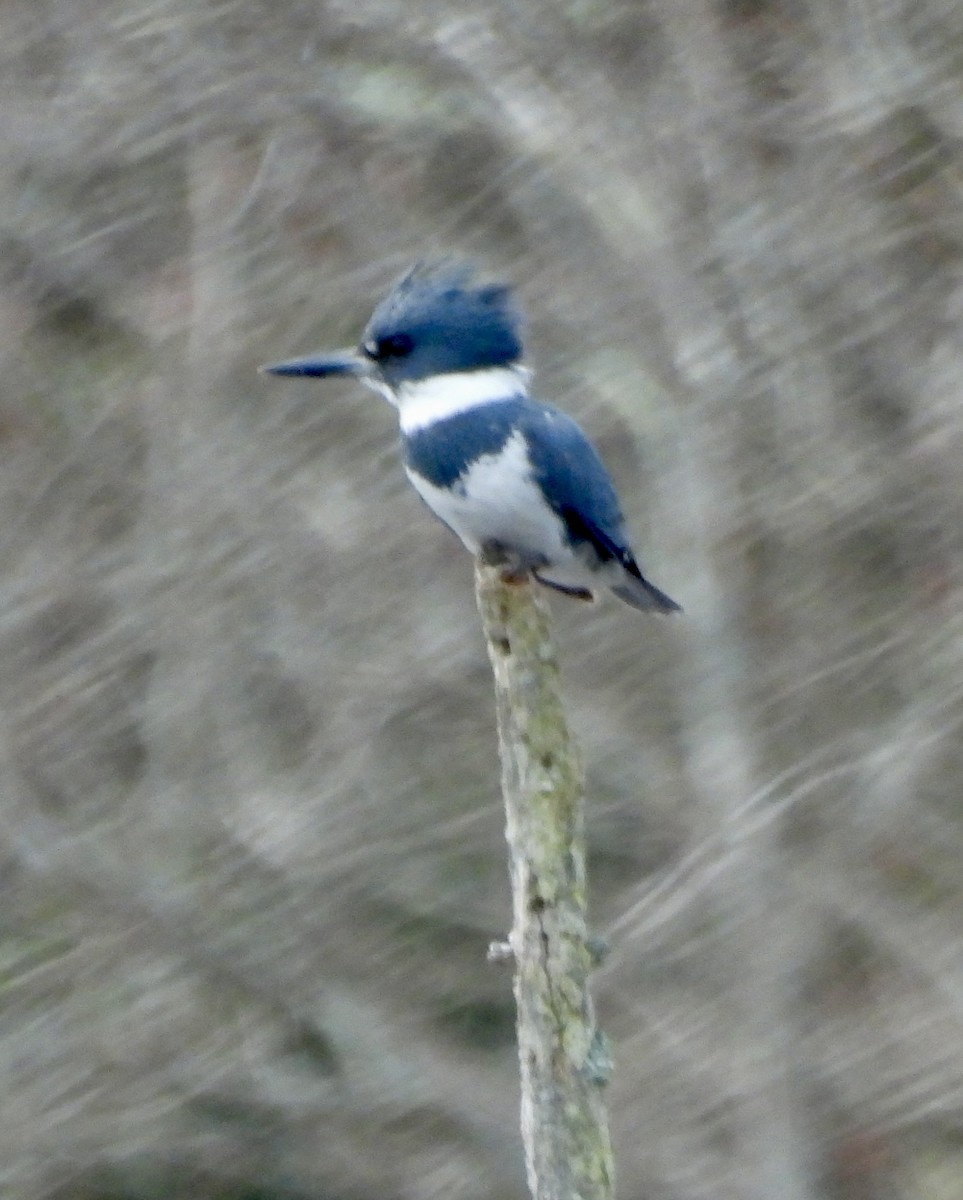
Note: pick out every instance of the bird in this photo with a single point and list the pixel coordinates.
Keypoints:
(517, 480)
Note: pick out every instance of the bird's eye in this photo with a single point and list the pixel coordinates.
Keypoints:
(395, 345)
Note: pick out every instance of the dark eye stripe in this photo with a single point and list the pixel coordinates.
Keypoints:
(393, 345)
(396, 345)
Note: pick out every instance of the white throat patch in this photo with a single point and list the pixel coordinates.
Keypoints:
(426, 401)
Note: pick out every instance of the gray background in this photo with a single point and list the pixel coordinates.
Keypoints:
(250, 836)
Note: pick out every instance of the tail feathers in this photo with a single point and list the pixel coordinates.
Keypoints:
(612, 551)
(637, 591)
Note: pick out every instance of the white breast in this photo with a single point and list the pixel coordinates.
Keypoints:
(498, 501)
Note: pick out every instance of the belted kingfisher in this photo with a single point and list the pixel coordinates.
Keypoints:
(516, 480)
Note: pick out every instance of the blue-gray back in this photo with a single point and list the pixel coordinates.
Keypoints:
(564, 462)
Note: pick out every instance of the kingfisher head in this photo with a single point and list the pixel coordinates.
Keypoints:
(439, 319)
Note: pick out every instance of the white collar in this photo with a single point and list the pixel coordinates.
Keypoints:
(425, 401)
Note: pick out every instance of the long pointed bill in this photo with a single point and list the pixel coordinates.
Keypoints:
(338, 362)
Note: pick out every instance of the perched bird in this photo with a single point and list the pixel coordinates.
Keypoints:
(516, 480)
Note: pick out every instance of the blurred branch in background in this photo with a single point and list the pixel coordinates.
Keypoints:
(244, 879)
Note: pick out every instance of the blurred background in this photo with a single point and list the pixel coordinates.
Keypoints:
(251, 849)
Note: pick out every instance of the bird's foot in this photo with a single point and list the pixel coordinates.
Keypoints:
(514, 567)
(576, 593)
